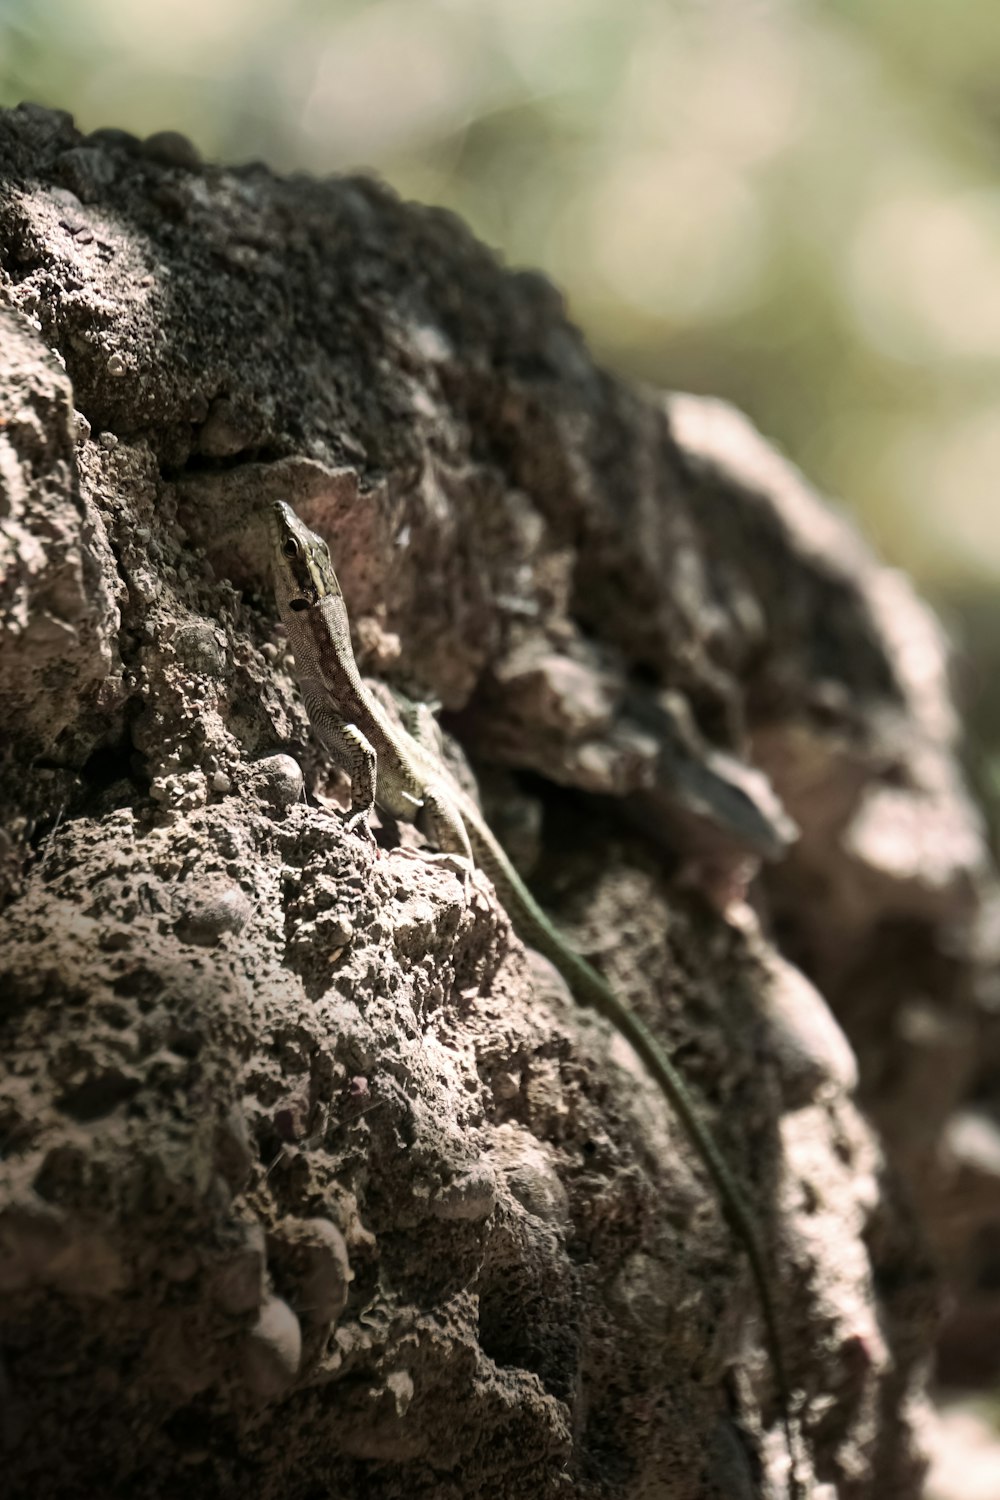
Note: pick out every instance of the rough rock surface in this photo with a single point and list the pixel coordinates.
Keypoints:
(314, 1181)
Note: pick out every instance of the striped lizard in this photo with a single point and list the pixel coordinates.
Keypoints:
(391, 769)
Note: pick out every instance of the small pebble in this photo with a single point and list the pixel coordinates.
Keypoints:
(224, 432)
(973, 1142)
(86, 170)
(171, 149)
(197, 644)
(219, 912)
(122, 140)
(471, 1196)
(278, 779)
(272, 1350)
(810, 1047)
(318, 1253)
(531, 1176)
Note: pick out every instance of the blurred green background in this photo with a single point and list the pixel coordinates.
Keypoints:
(791, 203)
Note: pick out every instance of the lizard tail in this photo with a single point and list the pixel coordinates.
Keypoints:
(590, 988)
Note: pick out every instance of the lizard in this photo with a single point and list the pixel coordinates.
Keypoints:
(396, 772)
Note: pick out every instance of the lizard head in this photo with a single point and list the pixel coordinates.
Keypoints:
(300, 561)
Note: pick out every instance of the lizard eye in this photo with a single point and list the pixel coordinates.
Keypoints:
(291, 548)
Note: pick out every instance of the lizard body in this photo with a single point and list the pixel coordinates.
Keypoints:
(389, 768)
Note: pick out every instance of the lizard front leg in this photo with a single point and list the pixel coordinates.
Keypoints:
(351, 751)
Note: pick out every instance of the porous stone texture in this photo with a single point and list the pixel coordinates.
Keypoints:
(314, 1180)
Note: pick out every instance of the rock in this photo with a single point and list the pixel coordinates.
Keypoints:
(272, 1351)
